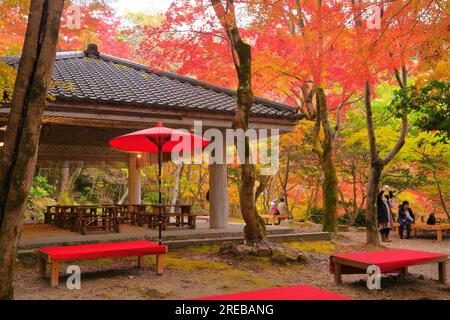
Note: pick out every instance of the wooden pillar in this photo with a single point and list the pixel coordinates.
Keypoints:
(134, 180)
(218, 196)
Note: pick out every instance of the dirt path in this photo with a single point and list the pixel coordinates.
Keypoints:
(201, 271)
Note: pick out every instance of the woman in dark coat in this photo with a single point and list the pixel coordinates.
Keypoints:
(384, 213)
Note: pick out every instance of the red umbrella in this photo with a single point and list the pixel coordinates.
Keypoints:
(158, 139)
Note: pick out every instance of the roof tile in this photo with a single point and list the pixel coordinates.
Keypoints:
(113, 80)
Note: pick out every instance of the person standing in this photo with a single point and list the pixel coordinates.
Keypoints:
(405, 219)
(384, 213)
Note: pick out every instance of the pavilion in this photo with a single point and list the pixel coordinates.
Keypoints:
(97, 97)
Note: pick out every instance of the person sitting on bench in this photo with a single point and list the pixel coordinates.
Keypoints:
(405, 218)
(273, 208)
(431, 219)
(282, 207)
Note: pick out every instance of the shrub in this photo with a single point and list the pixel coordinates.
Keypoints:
(344, 219)
(315, 215)
(360, 220)
(39, 198)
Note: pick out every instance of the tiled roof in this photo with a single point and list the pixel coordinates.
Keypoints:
(102, 78)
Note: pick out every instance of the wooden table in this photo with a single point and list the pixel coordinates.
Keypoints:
(85, 218)
(181, 213)
(137, 212)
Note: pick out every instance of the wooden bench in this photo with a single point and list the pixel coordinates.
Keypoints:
(389, 261)
(438, 228)
(271, 218)
(203, 217)
(54, 255)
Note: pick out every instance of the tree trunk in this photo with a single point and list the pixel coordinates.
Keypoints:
(355, 205)
(374, 175)
(316, 194)
(344, 204)
(123, 197)
(74, 176)
(324, 150)
(284, 181)
(376, 163)
(18, 156)
(371, 200)
(176, 187)
(254, 230)
(441, 197)
(65, 170)
(330, 194)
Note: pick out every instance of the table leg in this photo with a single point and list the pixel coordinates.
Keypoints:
(116, 225)
(439, 234)
(404, 271)
(42, 267)
(47, 215)
(192, 222)
(337, 268)
(140, 261)
(54, 279)
(159, 263)
(442, 272)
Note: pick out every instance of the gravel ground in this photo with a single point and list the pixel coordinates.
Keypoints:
(201, 271)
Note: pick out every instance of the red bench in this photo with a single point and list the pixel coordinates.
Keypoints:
(287, 293)
(53, 255)
(389, 261)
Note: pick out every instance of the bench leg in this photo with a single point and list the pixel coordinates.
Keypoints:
(42, 267)
(404, 271)
(54, 278)
(439, 235)
(159, 264)
(442, 272)
(337, 268)
(140, 261)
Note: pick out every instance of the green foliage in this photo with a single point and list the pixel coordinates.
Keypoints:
(315, 215)
(360, 220)
(430, 105)
(323, 247)
(7, 79)
(40, 188)
(39, 197)
(151, 196)
(344, 219)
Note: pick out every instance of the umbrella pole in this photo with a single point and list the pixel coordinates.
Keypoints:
(159, 193)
